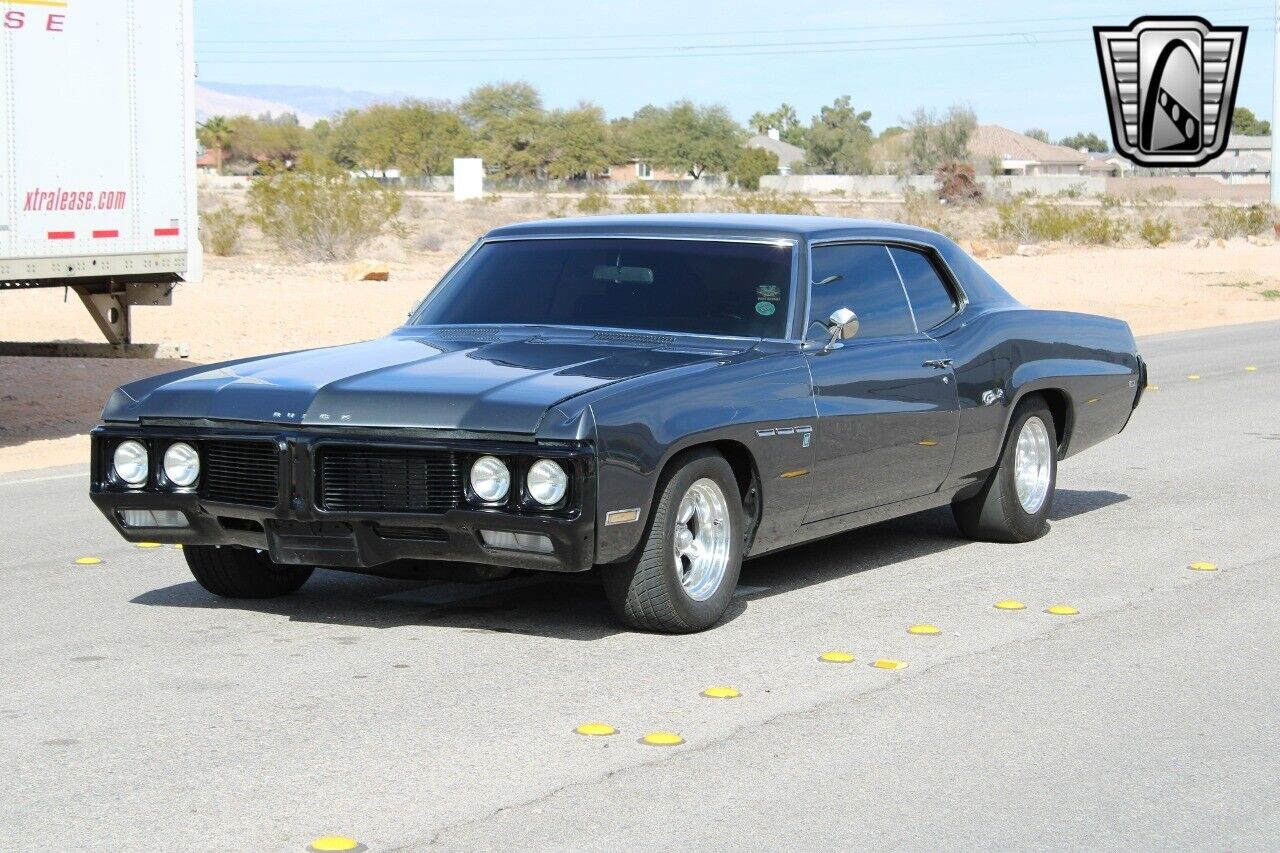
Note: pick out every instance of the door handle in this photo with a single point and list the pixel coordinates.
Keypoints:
(938, 363)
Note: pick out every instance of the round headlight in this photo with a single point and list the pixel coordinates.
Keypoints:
(181, 464)
(547, 482)
(131, 462)
(490, 479)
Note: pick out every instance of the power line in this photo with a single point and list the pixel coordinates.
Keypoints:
(706, 34)
(650, 47)
(578, 57)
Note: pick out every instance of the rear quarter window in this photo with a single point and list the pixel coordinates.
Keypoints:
(931, 299)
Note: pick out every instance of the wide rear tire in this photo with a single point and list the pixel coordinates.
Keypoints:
(235, 572)
(662, 588)
(1004, 511)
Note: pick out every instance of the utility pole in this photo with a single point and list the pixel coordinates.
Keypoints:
(1275, 113)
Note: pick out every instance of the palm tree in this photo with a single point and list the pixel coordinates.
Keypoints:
(215, 133)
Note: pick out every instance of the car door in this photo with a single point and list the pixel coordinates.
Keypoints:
(886, 399)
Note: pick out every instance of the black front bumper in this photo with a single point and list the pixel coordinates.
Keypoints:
(297, 530)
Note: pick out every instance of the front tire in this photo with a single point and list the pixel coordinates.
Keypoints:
(1015, 502)
(235, 572)
(683, 575)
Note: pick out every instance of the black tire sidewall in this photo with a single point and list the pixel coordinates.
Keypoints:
(1025, 525)
(705, 613)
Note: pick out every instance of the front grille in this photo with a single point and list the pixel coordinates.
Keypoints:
(361, 479)
(242, 472)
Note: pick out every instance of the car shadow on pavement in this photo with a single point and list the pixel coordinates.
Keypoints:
(1068, 503)
(572, 607)
(879, 545)
(555, 606)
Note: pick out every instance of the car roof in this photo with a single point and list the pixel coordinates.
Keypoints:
(743, 225)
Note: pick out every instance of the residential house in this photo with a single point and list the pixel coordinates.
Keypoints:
(1245, 160)
(1107, 165)
(1019, 154)
(788, 154)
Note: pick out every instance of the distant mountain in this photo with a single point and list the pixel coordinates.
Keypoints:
(210, 102)
(309, 102)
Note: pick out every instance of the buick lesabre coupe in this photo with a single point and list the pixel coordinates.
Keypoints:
(660, 397)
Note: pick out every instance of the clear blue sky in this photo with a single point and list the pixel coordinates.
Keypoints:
(889, 56)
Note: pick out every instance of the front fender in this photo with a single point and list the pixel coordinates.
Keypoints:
(746, 399)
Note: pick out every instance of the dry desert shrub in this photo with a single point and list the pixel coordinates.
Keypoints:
(221, 230)
(318, 212)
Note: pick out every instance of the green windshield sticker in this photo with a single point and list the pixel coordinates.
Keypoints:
(765, 309)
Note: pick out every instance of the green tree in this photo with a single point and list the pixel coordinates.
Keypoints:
(508, 122)
(685, 137)
(1087, 141)
(1037, 133)
(428, 137)
(578, 142)
(838, 140)
(784, 120)
(215, 134)
(938, 139)
(265, 139)
(1244, 122)
(753, 164)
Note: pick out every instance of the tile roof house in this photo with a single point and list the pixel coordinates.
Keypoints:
(788, 154)
(1019, 154)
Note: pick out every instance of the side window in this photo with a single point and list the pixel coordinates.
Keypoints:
(866, 282)
(930, 298)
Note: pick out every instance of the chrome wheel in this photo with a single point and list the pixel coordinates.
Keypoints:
(701, 541)
(1032, 465)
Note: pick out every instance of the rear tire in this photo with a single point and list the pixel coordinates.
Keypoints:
(1001, 512)
(661, 588)
(235, 572)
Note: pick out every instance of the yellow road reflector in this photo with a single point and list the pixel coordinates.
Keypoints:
(1153, 387)
(596, 729)
(721, 693)
(1203, 567)
(326, 843)
(889, 663)
(87, 561)
(178, 546)
(1010, 604)
(924, 629)
(662, 739)
(1193, 376)
(1062, 610)
(1251, 368)
(928, 442)
(836, 657)
(148, 545)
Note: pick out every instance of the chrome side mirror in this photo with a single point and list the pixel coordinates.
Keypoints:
(842, 325)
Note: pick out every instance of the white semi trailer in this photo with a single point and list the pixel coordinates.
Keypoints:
(98, 152)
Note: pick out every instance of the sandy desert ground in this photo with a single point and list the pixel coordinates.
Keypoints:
(259, 303)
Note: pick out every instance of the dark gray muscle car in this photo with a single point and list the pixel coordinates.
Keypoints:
(657, 396)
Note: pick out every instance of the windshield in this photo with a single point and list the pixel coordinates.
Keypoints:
(698, 286)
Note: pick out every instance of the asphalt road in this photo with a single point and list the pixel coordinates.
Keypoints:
(139, 713)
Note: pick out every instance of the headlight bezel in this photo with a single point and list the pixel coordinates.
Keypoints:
(560, 487)
(118, 475)
(195, 456)
(481, 497)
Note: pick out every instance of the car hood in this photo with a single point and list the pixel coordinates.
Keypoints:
(404, 380)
